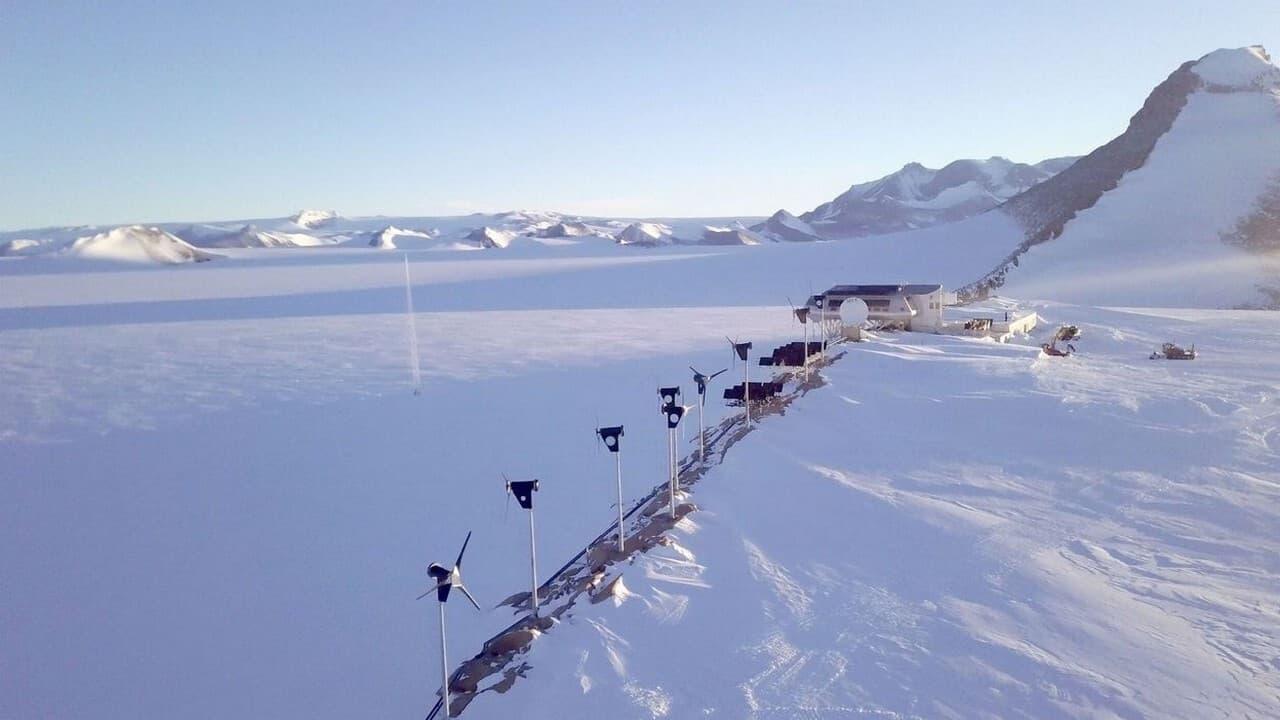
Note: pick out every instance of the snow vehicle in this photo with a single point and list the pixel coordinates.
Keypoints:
(1052, 350)
(1169, 351)
(1067, 333)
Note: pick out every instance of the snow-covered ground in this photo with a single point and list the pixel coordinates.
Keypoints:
(957, 528)
(219, 494)
(225, 507)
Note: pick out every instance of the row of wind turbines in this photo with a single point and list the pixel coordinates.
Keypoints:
(445, 579)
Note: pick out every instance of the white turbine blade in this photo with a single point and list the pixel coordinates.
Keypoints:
(466, 592)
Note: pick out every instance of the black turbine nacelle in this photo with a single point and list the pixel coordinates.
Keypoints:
(702, 379)
(523, 490)
(670, 395)
(446, 579)
(674, 414)
(611, 437)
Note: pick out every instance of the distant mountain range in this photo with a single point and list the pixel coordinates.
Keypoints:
(915, 197)
(1185, 202)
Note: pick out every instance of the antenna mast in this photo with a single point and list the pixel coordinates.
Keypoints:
(523, 490)
(612, 439)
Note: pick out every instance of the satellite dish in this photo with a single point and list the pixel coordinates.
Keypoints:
(853, 312)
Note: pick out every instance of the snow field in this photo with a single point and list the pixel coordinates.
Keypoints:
(957, 528)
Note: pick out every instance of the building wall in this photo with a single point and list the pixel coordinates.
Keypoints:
(928, 309)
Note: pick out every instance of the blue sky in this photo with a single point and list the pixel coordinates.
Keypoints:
(152, 111)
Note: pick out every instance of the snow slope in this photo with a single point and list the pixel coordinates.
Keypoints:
(1142, 220)
(230, 456)
(1155, 239)
(955, 528)
(1246, 68)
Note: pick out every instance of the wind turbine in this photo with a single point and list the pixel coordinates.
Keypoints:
(743, 351)
(673, 413)
(822, 307)
(524, 490)
(612, 439)
(702, 379)
(802, 315)
(447, 579)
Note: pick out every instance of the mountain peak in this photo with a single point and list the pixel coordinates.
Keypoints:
(1246, 68)
(312, 219)
(137, 243)
(490, 237)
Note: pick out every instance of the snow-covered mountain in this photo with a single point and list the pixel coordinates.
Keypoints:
(1179, 209)
(1183, 208)
(564, 229)
(136, 243)
(645, 234)
(312, 219)
(385, 239)
(489, 237)
(21, 246)
(249, 236)
(652, 234)
(782, 226)
(918, 197)
(735, 234)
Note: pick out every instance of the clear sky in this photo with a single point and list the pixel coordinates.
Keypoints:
(129, 111)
